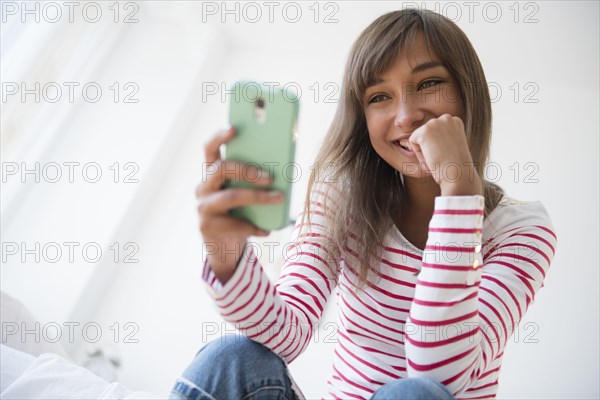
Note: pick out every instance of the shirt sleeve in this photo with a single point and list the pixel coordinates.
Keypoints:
(470, 295)
(281, 316)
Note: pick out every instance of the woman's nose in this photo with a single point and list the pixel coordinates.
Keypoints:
(409, 113)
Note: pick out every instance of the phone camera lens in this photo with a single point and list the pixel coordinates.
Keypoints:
(260, 103)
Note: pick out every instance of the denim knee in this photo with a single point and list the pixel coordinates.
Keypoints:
(239, 352)
(413, 389)
(236, 367)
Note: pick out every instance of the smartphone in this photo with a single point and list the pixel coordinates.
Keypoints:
(265, 118)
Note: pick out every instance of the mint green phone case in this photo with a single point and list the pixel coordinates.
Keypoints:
(266, 138)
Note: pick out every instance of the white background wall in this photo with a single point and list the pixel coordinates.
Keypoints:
(173, 53)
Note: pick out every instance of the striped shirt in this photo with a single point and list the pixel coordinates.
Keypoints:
(443, 313)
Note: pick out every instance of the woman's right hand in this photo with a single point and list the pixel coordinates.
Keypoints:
(225, 236)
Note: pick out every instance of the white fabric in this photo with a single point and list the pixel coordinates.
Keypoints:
(38, 369)
(13, 364)
(50, 376)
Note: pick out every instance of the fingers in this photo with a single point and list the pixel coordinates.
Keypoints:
(422, 161)
(226, 199)
(212, 148)
(416, 148)
(214, 202)
(221, 170)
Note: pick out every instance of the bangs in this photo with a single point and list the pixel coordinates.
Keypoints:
(380, 47)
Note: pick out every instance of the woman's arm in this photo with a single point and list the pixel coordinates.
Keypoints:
(280, 316)
(469, 299)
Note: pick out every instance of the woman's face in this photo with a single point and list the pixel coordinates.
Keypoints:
(415, 89)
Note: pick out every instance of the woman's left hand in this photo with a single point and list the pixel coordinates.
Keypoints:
(442, 150)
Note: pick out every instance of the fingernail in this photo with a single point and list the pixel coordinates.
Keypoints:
(262, 174)
(274, 194)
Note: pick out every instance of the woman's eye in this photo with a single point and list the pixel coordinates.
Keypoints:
(376, 99)
(429, 83)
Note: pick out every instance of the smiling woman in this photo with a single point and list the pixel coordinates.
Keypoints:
(423, 252)
(390, 93)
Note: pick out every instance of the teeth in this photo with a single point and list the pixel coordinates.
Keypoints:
(404, 143)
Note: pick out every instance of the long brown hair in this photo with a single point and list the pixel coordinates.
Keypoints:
(365, 187)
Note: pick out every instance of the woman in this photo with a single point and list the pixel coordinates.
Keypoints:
(434, 266)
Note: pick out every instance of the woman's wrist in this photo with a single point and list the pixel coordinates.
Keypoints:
(469, 186)
(225, 262)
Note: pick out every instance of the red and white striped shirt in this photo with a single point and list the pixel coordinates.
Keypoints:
(444, 313)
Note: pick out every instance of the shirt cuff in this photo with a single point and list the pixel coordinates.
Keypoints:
(453, 251)
(215, 288)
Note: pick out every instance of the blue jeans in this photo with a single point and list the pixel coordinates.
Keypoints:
(235, 367)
